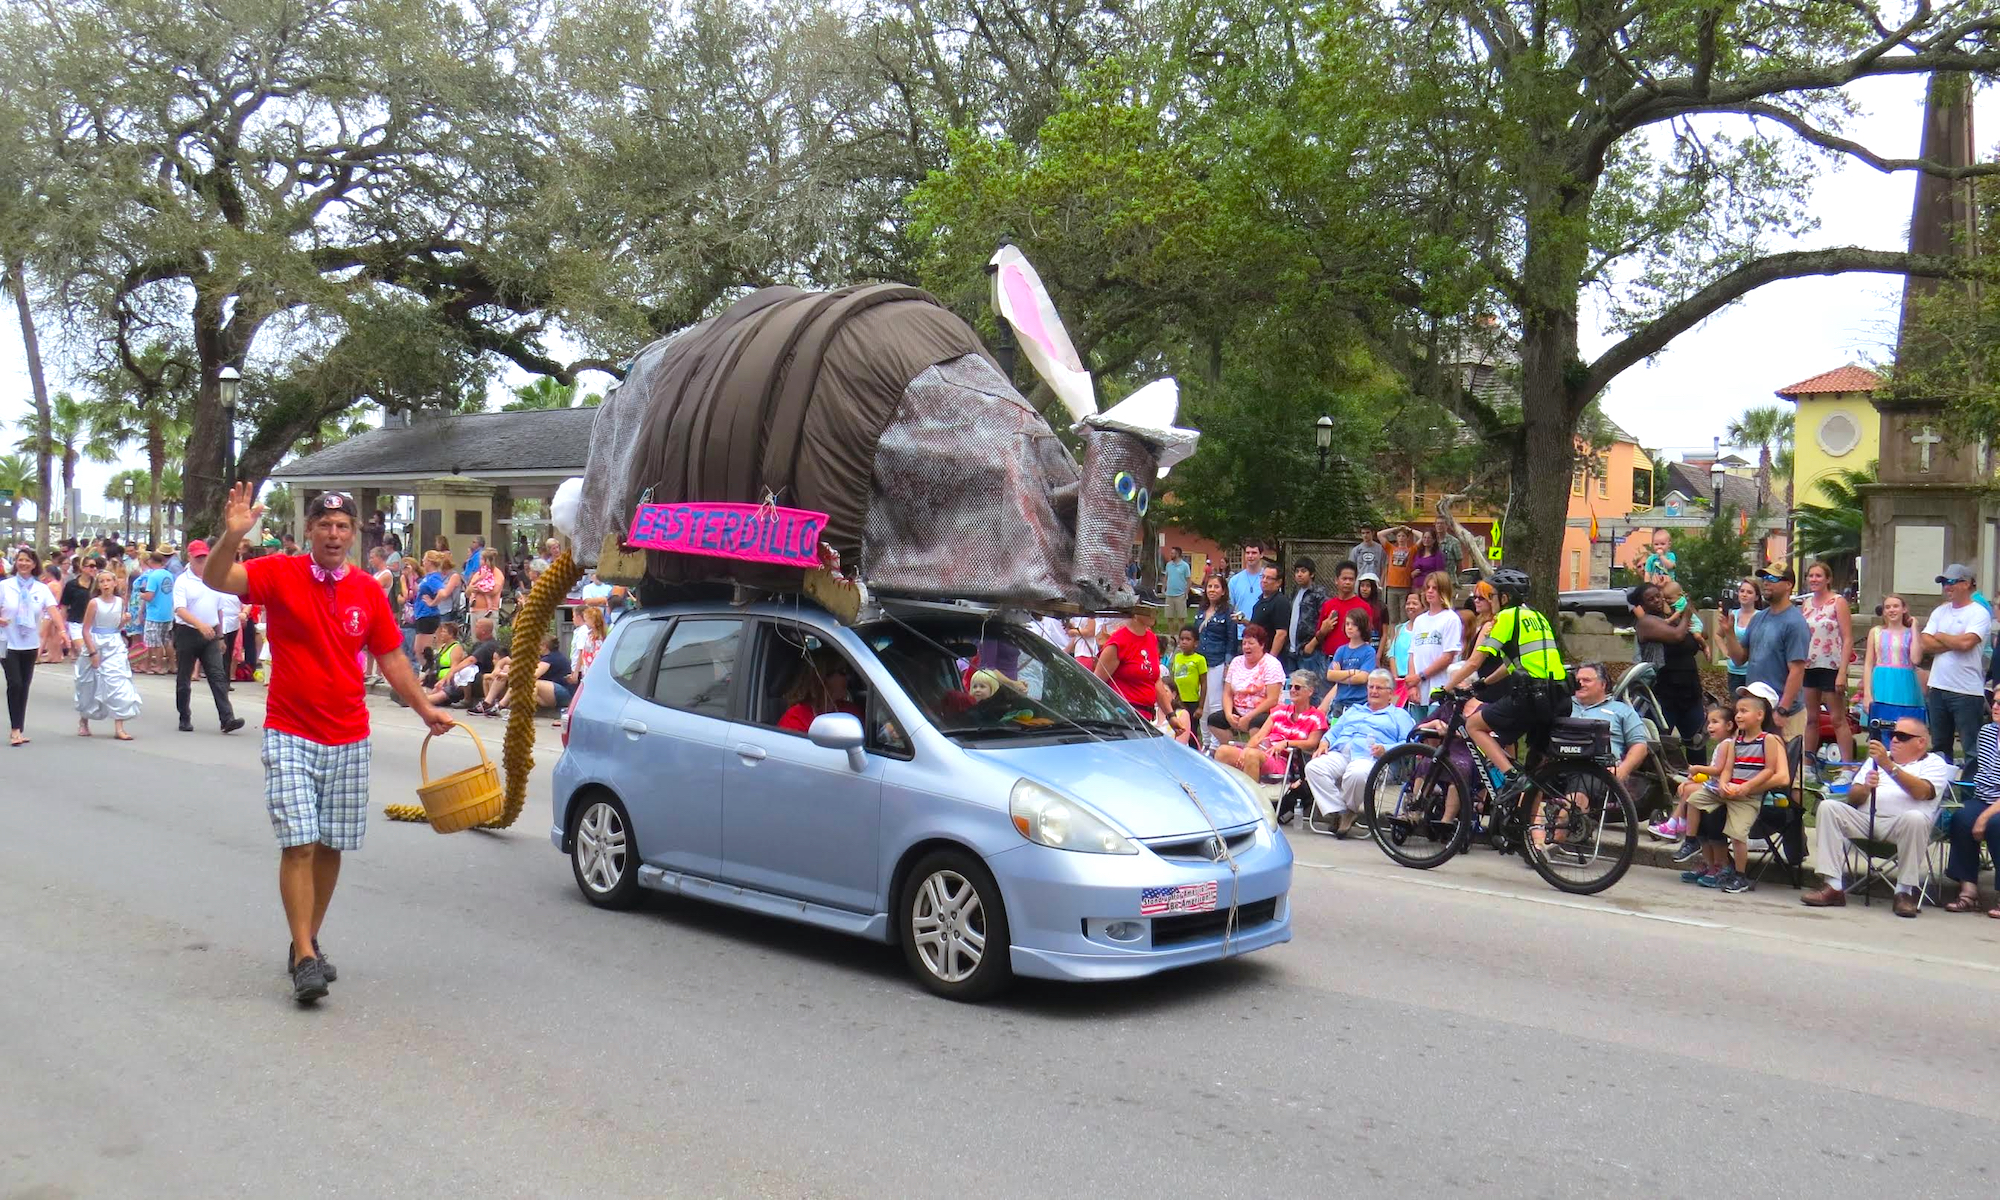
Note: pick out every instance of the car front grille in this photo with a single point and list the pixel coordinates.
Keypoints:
(1196, 927)
(1201, 848)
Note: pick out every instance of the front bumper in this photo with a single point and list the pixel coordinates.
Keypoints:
(1063, 908)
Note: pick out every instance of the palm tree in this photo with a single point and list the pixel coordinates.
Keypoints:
(18, 478)
(75, 432)
(114, 491)
(546, 392)
(1832, 532)
(278, 505)
(1769, 428)
(170, 492)
(155, 418)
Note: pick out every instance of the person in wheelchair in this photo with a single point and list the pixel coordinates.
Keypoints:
(1296, 724)
(1522, 683)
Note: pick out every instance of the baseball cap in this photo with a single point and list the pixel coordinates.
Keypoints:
(1956, 573)
(1779, 571)
(197, 548)
(329, 502)
(1302, 679)
(1763, 691)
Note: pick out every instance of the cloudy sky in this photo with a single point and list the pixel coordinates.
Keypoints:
(1780, 334)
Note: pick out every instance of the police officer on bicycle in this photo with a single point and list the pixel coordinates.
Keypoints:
(1528, 689)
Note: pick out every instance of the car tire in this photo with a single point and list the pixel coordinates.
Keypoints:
(951, 910)
(602, 854)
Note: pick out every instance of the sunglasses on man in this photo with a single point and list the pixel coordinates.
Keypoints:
(1903, 735)
(1767, 577)
(1953, 582)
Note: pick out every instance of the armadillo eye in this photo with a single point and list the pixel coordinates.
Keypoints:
(1126, 486)
(1144, 499)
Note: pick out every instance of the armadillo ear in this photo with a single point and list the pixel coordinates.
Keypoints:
(1020, 299)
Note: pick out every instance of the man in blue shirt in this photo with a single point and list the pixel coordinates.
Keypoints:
(1246, 587)
(1349, 750)
(1174, 576)
(153, 595)
(1773, 648)
(1593, 702)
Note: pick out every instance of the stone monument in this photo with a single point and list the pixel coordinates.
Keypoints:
(1933, 502)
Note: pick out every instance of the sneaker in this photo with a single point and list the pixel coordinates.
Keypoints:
(233, 724)
(1737, 883)
(187, 726)
(1696, 875)
(1687, 850)
(1714, 879)
(308, 980)
(1664, 830)
(325, 964)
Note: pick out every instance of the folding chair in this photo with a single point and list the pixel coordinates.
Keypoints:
(1937, 856)
(1781, 822)
(1294, 791)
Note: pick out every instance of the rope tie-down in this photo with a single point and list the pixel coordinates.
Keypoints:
(531, 621)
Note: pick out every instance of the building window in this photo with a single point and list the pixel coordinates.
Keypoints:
(1575, 569)
(1642, 488)
(1604, 476)
(1838, 434)
(1576, 481)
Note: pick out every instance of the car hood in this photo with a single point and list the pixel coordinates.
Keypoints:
(1136, 783)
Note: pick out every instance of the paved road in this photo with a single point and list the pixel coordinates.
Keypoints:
(1462, 1032)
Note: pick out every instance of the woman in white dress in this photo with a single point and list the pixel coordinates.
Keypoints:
(104, 690)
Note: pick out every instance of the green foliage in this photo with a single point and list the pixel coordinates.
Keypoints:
(1768, 427)
(1715, 559)
(1832, 532)
(549, 393)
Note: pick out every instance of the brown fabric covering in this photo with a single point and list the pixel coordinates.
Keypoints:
(786, 394)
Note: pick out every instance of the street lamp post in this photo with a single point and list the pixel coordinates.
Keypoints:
(128, 510)
(227, 383)
(1715, 473)
(1323, 437)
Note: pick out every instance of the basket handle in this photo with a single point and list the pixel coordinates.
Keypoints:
(424, 754)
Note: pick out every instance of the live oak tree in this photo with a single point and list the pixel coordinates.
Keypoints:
(1411, 170)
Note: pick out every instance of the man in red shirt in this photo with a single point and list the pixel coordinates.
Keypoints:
(1333, 614)
(321, 614)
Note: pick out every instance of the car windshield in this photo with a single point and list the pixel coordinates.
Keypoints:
(997, 680)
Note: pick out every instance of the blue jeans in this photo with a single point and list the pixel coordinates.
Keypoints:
(1955, 713)
(1964, 864)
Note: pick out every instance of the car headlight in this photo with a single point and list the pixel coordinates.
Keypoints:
(1049, 818)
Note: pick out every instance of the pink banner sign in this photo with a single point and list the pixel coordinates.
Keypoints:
(747, 532)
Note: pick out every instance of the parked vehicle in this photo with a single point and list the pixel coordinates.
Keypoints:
(1042, 830)
(1609, 603)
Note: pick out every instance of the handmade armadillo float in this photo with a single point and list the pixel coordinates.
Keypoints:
(872, 421)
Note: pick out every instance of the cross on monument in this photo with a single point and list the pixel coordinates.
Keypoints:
(1924, 441)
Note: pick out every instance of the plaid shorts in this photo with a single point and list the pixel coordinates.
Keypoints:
(316, 793)
(159, 633)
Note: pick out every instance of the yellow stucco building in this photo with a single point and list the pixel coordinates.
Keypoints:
(1836, 429)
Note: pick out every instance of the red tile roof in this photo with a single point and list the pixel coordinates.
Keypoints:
(1840, 379)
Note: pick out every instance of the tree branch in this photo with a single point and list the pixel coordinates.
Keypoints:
(1853, 149)
(1657, 333)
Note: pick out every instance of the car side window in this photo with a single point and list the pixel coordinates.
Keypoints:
(698, 665)
(795, 673)
(633, 652)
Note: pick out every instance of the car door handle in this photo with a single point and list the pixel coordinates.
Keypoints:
(633, 727)
(750, 753)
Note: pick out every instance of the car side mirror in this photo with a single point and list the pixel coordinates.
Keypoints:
(839, 731)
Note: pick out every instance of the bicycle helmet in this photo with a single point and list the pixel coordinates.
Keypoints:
(1508, 580)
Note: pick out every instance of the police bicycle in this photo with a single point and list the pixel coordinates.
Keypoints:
(1564, 812)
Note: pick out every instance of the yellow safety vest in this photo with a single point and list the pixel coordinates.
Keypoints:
(1533, 644)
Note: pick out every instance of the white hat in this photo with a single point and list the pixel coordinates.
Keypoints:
(1768, 693)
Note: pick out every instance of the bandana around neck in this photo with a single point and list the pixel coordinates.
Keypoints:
(325, 576)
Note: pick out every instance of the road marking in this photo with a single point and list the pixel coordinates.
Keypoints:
(1419, 880)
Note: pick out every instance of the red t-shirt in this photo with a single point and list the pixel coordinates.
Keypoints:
(799, 717)
(317, 632)
(1137, 676)
(1335, 606)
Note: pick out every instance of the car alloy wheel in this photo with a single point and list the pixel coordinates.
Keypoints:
(954, 926)
(950, 926)
(602, 854)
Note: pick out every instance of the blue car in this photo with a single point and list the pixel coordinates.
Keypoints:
(940, 778)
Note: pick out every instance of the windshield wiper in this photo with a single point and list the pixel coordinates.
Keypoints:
(1105, 725)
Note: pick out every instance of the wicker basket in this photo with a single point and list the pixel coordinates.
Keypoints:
(464, 798)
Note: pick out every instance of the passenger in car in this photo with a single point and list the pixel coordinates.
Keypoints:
(820, 687)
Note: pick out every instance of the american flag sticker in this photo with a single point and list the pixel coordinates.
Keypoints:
(1186, 898)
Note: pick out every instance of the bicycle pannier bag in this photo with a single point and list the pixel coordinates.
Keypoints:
(1580, 738)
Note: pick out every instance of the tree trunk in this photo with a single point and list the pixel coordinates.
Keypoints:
(69, 484)
(1542, 462)
(17, 282)
(156, 465)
